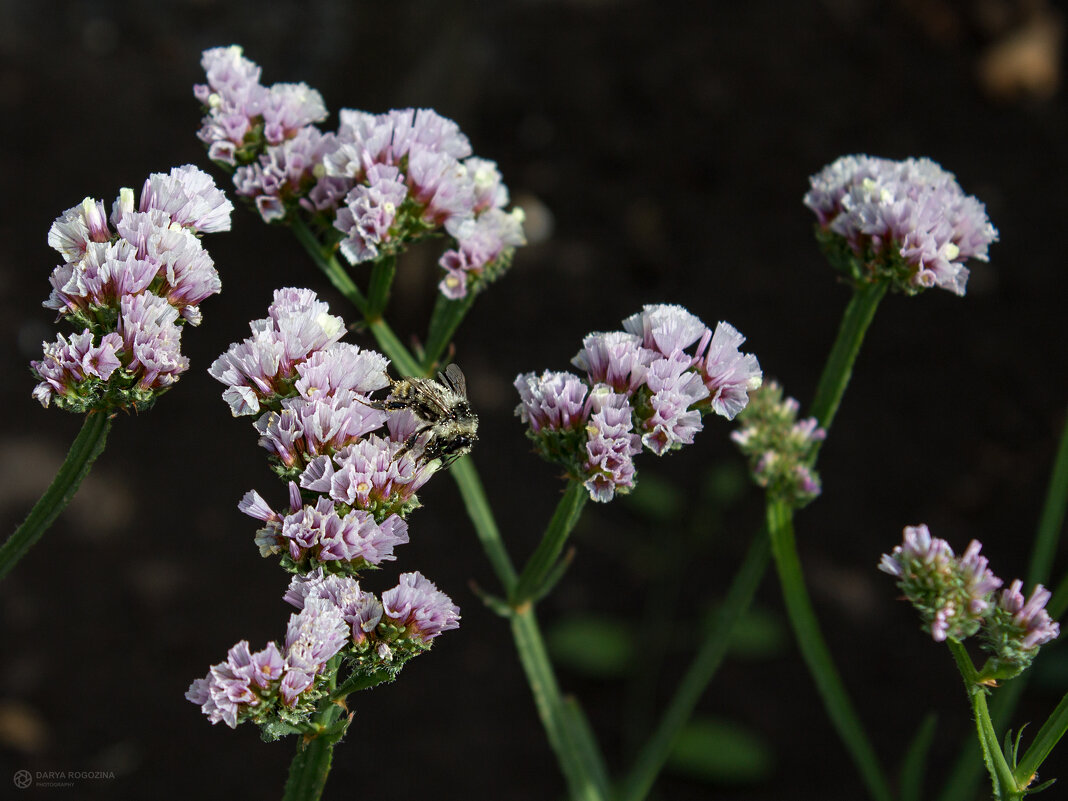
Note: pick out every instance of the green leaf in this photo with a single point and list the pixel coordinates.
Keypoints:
(721, 752)
(594, 646)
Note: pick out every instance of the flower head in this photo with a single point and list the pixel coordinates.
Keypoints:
(129, 291)
(263, 368)
(908, 221)
(647, 385)
(241, 114)
(384, 181)
(1017, 627)
(951, 593)
(419, 609)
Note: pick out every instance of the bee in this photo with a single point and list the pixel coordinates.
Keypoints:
(449, 425)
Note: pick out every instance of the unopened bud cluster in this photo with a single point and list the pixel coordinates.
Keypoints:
(908, 222)
(780, 448)
(957, 598)
(128, 284)
(381, 182)
(352, 470)
(647, 385)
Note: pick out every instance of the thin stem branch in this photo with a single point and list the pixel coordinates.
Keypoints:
(541, 562)
(326, 262)
(816, 654)
(709, 657)
(1001, 777)
(839, 368)
(478, 509)
(87, 446)
(446, 318)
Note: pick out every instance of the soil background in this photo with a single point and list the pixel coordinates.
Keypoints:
(662, 150)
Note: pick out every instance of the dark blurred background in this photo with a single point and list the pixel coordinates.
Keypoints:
(661, 150)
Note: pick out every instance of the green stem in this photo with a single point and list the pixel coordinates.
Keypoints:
(88, 445)
(310, 767)
(358, 682)
(1004, 784)
(391, 346)
(344, 284)
(965, 774)
(478, 509)
(815, 652)
(447, 316)
(382, 273)
(552, 542)
(1048, 736)
(326, 262)
(836, 373)
(570, 740)
(651, 759)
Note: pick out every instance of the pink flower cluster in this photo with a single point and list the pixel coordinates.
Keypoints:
(335, 617)
(643, 386)
(412, 173)
(382, 181)
(350, 489)
(129, 281)
(905, 220)
(311, 394)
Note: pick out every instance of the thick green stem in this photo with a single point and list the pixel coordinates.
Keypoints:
(816, 654)
(1004, 784)
(552, 543)
(310, 767)
(88, 445)
(382, 273)
(855, 321)
(569, 738)
(651, 759)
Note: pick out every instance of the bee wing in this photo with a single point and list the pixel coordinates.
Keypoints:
(454, 379)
